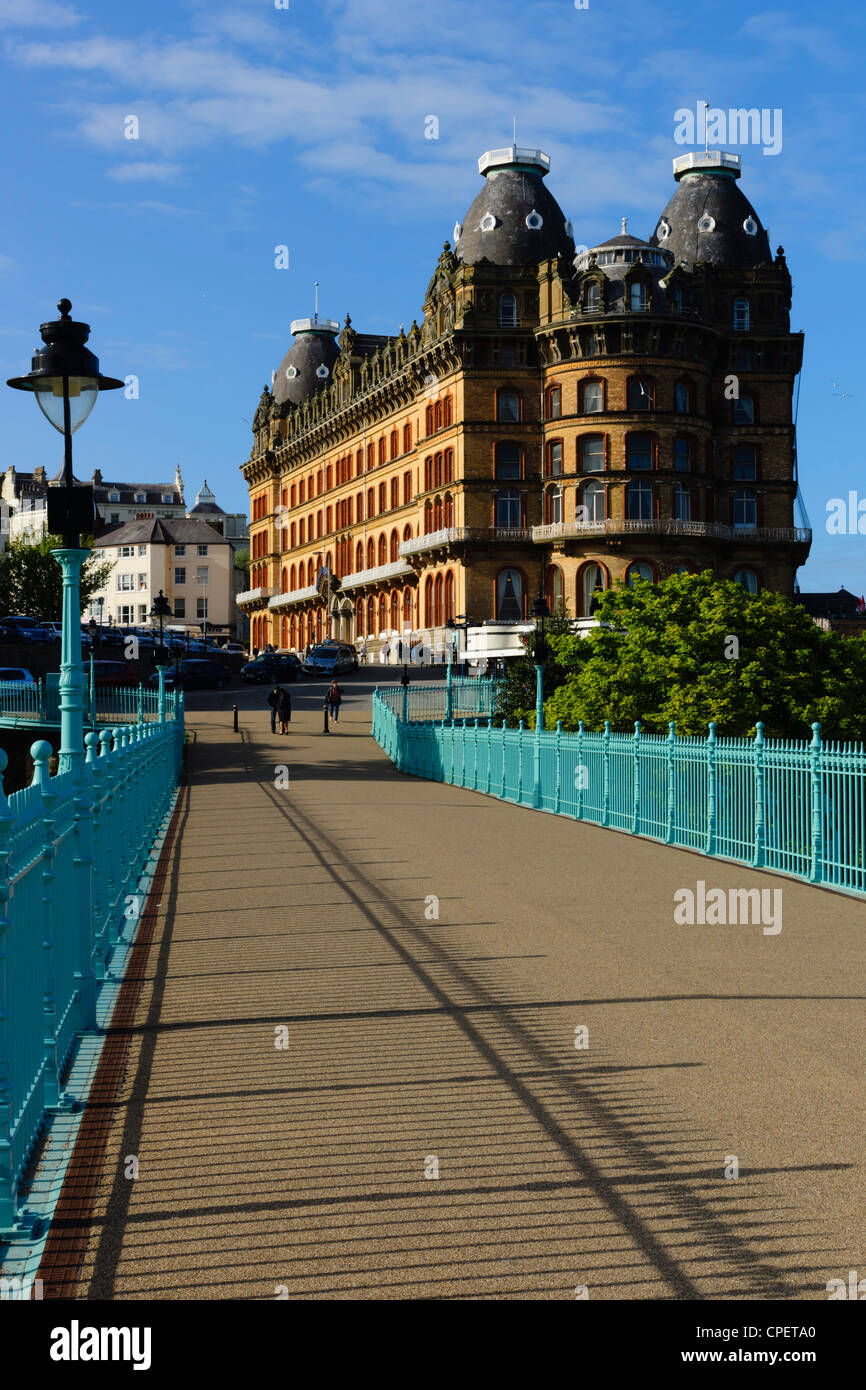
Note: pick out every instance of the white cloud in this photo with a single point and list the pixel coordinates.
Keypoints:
(37, 14)
(145, 169)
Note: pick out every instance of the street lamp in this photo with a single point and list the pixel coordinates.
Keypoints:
(539, 652)
(161, 609)
(66, 380)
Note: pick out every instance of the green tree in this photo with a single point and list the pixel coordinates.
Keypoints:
(695, 649)
(242, 560)
(30, 578)
(515, 698)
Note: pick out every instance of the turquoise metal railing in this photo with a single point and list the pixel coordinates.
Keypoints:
(40, 704)
(797, 807)
(72, 850)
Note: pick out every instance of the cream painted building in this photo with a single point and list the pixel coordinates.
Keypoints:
(187, 559)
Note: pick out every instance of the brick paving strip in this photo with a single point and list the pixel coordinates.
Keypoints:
(418, 1044)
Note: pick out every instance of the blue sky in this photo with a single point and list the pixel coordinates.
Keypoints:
(305, 126)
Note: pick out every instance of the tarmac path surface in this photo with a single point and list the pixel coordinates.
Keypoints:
(355, 1067)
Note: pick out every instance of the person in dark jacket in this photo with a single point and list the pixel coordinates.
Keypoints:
(334, 699)
(280, 702)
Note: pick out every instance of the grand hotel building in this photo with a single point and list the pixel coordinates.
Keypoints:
(558, 418)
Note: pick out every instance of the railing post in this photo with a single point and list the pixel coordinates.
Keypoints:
(635, 818)
(448, 690)
(520, 762)
(489, 752)
(605, 762)
(7, 985)
(160, 698)
(95, 773)
(558, 787)
(82, 870)
(711, 790)
(140, 705)
(759, 854)
(539, 729)
(504, 751)
(580, 787)
(672, 805)
(40, 752)
(815, 750)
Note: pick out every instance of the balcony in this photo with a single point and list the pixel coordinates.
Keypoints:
(251, 596)
(667, 526)
(455, 535)
(294, 596)
(396, 570)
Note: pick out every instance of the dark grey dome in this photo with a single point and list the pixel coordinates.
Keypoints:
(514, 220)
(308, 364)
(708, 218)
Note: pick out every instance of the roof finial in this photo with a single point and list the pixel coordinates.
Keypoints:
(514, 125)
(624, 225)
(316, 315)
(706, 106)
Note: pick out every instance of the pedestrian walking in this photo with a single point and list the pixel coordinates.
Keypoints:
(280, 702)
(334, 699)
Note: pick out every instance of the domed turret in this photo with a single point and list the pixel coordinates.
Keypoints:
(708, 218)
(309, 361)
(514, 220)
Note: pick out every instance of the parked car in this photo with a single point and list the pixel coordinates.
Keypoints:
(17, 628)
(19, 674)
(107, 635)
(329, 660)
(235, 648)
(271, 666)
(195, 674)
(54, 631)
(114, 673)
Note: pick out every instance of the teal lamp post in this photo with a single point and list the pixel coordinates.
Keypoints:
(538, 612)
(65, 379)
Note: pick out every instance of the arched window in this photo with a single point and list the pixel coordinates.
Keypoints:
(319, 479)
(591, 397)
(371, 456)
(591, 582)
(284, 580)
(395, 492)
(359, 462)
(371, 503)
(555, 589)
(639, 500)
(284, 632)
(553, 506)
(302, 495)
(683, 453)
(395, 443)
(395, 611)
(428, 517)
(395, 545)
(638, 394)
(591, 447)
(438, 598)
(745, 509)
(507, 461)
(311, 573)
(682, 398)
(383, 498)
(428, 602)
(407, 488)
(448, 511)
(748, 580)
(682, 503)
(293, 579)
(437, 514)
(407, 532)
(507, 407)
(508, 508)
(359, 618)
(639, 569)
(509, 595)
(742, 316)
(508, 311)
(449, 465)
(447, 412)
(592, 297)
(383, 549)
(590, 504)
(407, 437)
(293, 632)
(407, 608)
(553, 403)
(437, 471)
(438, 415)
(371, 617)
(359, 556)
(639, 452)
(554, 458)
(329, 520)
(429, 417)
(371, 554)
(449, 596)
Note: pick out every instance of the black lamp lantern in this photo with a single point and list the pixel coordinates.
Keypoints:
(65, 379)
(538, 613)
(161, 609)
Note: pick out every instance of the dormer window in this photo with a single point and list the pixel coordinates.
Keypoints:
(742, 316)
(458, 231)
(114, 497)
(637, 295)
(141, 497)
(291, 373)
(750, 227)
(592, 297)
(167, 497)
(663, 230)
(488, 222)
(508, 311)
(706, 223)
(534, 221)
(322, 372)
